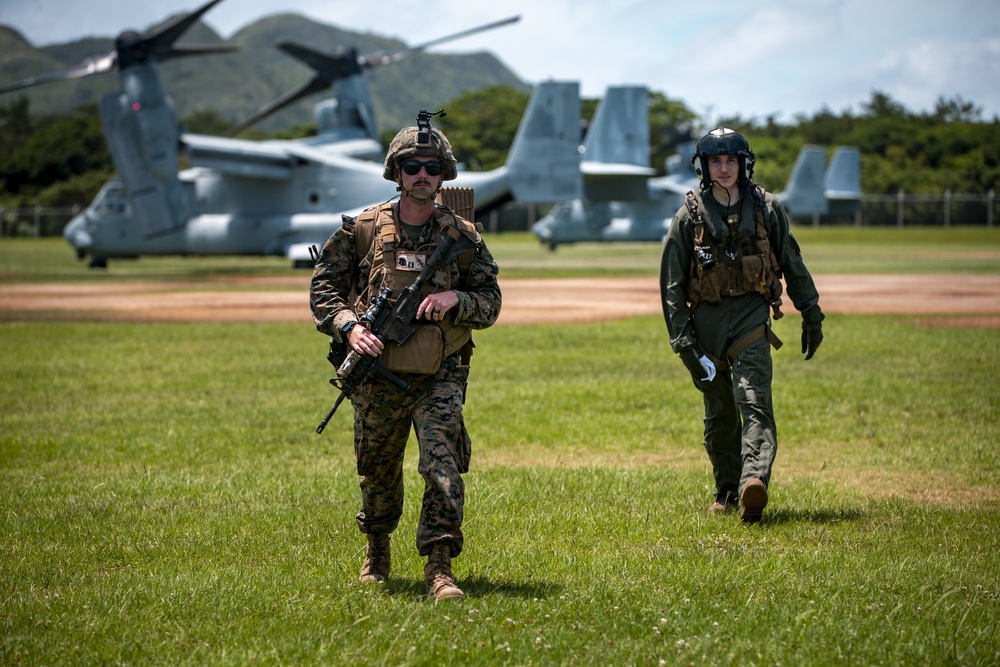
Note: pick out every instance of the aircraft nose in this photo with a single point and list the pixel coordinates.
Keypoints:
(76, 233)
(542, 229)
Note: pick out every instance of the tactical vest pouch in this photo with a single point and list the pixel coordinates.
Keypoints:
(753, 273)
(421, 354)
(709, 284)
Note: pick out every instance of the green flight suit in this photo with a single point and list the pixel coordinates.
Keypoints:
(740, 431)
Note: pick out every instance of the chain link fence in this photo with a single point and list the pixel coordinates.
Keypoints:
(899, 210)
(917, 210)
(37, 221)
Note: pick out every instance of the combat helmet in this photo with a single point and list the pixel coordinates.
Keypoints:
(723, 141)
(420, 141)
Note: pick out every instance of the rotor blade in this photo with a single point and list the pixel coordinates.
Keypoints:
(158, 42)
(332, 67)
(328, 68)
(345, 63)
(317, 84)
(163, 37)
(377, 59)
(195, 50)
(85, 68)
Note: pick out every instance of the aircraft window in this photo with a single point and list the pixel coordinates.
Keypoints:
(113, 202)
(314, 198)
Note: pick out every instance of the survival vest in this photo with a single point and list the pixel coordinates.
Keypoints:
(377, 240)
(737, 259)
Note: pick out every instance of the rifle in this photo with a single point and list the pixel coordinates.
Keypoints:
(390, 324)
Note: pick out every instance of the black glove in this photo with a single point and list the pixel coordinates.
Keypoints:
(812, 336)
(699, 373)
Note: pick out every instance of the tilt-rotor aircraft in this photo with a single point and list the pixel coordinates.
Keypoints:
(622, 200)
(266, 197)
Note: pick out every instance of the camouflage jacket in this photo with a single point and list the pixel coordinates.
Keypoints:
(343, 281)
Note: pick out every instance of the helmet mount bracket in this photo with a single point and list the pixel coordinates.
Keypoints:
(424, 125)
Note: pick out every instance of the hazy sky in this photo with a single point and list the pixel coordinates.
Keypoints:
(771, 57)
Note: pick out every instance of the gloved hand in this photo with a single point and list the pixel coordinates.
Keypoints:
(701, 368)
(812, 336)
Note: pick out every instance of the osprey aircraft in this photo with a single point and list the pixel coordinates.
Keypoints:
(242, 197)
(622, 200)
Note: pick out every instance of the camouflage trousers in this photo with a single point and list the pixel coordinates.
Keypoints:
(740, 432)
(383, 416)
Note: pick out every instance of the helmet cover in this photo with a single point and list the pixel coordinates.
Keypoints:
(407, 143)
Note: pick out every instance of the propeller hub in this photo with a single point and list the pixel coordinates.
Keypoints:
(132, 48)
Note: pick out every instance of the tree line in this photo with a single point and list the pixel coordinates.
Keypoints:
(60, 160)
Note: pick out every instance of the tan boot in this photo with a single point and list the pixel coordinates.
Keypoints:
(719, 508)
(437, 574)
(378, 558)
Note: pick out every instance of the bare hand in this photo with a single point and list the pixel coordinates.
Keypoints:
(364, 341)
(436, 306)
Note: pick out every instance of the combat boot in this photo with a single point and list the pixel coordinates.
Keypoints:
(753, 500)
(720, 508)
(437, 574)
(378, 558)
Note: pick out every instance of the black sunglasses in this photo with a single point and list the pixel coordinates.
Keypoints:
(412, 167)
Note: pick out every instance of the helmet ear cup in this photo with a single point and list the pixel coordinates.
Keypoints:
(749, 160)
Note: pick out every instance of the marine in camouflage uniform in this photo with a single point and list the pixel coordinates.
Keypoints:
(725, 253)
(462, 295)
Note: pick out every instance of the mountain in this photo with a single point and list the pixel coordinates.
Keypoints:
(238, 84)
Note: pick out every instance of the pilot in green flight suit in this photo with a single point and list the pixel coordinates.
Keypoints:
(720, 276)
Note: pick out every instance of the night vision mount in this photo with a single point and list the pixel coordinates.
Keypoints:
(424, 125)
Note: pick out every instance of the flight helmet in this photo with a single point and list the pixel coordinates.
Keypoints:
(723, 141)
(420, 141)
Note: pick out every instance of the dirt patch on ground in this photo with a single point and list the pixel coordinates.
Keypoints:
(967, 300)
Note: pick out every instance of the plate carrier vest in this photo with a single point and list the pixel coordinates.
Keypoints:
(376, 238)
(749, 265)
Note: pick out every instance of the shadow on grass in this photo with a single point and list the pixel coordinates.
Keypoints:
(480, 587)
(818, 515)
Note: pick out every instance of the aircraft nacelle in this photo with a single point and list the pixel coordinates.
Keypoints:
(347, 115)
(141, 130)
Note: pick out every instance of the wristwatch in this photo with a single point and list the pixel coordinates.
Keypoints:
(346, 329)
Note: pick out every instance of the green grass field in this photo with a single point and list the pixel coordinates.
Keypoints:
(164, 499)
(827, 250)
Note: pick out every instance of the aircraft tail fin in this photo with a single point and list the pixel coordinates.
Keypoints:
(619, 133)
(616, 150)
(843, 182)
(805, 193)
(544, 160)
(679, 164)
(843, 178)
